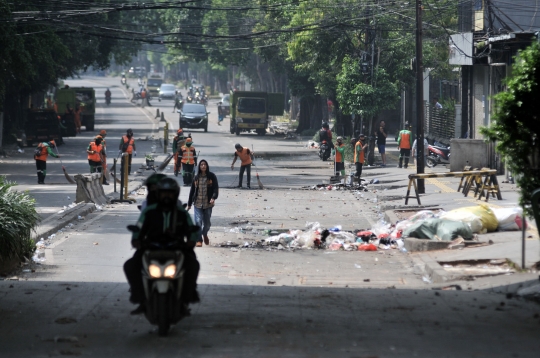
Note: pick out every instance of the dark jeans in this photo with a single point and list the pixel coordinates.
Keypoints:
(129, 164)
(202, 219)
(133, 270)
(95, 167)
(247, 169)
(187, 173)
(41, 167)
(358, 169)
(404, 153)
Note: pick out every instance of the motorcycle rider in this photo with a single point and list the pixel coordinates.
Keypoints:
(326, 134)
(166, 221)
(108, 95)
(178, 101)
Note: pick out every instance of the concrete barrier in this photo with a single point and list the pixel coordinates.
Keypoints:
(89, 189)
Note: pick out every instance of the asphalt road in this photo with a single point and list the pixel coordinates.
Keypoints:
(305, 303)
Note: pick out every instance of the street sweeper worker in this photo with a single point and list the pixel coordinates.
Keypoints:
(103, 134)
(40, 156)
(178, 142)
(127, 145)
(95, 150)
(245, 156)
(340, 156)
(189, 160)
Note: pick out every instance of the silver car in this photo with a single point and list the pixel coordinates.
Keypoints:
(167, 91)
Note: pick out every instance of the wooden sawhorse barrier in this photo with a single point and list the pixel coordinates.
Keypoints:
(484, 179)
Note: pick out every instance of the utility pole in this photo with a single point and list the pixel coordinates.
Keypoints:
(419, 98)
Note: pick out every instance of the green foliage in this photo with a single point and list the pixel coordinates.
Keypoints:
(18, 217)
(355, 96)
(516, 123)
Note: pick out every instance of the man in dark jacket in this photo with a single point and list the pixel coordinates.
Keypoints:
(157, 224)
(204, 191)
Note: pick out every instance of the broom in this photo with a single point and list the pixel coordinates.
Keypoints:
(163, 165)
(113, 170)
(69, 178)
(261, 186)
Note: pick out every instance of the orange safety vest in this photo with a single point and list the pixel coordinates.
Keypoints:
(339, 159)
(361, 157)
(44, 153)
(143, 94)
(188, 155)
(97, 149)
(130, 146)
(405, 142)
(244, 155)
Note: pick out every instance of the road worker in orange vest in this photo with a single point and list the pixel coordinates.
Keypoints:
(94, 151)
(245, 156)
(339, 152)
(40, 156)
(178, 142)
(103, 134)
(127, 145)
(404, 145)
(189, 160)
(359, 156)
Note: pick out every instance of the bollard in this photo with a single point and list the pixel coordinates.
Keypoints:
(165, 136)
(162, 117)
(126, 175)
(157, 113)
(114, 177)
(124, 182)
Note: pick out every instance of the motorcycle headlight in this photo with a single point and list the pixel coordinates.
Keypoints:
(155, 271)
(170, 271)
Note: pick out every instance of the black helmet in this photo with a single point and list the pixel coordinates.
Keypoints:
(168, 184)
(325, 125)
(129, 132)
(154, 179)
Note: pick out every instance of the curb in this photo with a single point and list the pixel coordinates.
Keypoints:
(435, 271)
(59, 220)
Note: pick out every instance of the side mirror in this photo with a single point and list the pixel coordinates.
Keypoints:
(133, 228)
(207, 112)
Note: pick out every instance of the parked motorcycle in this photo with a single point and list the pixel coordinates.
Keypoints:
(163, 278)
(324, 151)
(437, 154)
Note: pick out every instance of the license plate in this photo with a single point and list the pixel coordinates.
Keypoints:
(250, 125)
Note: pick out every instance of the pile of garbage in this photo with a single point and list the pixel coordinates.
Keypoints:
(462, 224)
(316, 237)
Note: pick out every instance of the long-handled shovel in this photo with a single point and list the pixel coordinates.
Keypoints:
(68, 177)
(261, 186)
(163, 165)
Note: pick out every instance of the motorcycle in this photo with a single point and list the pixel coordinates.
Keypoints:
(189, 99)
(437, 154)
(324, 151)
(108, 100)
(163, 279)
(123, 80)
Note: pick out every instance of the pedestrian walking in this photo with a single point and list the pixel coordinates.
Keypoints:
(246, 160)
(178, 142)
(143, 97)
(203, 194)
(359, 156)
(94, 151)
(221, 113)
(40, 156)
(127, 145)
(339, 151)
(381, 142)
(189, 160)
(404, 145)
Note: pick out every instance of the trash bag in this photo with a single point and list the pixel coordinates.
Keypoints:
(509, 219)
(367, 247)
(446, 230)
(472, 220)
(484, 212)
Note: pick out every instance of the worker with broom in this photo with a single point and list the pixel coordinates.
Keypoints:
(40, 156)
(246, 160)
(189, 160)
(103, 134)
(178, 142)
(127, 145)
(94, 151)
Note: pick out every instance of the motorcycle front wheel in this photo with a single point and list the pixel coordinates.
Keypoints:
(163, 315)
(431, 162)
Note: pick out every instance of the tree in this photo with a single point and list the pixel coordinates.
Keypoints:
(516, 123)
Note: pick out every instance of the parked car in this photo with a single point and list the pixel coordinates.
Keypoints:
(226, 104)
(194, 115)
(167, 91)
